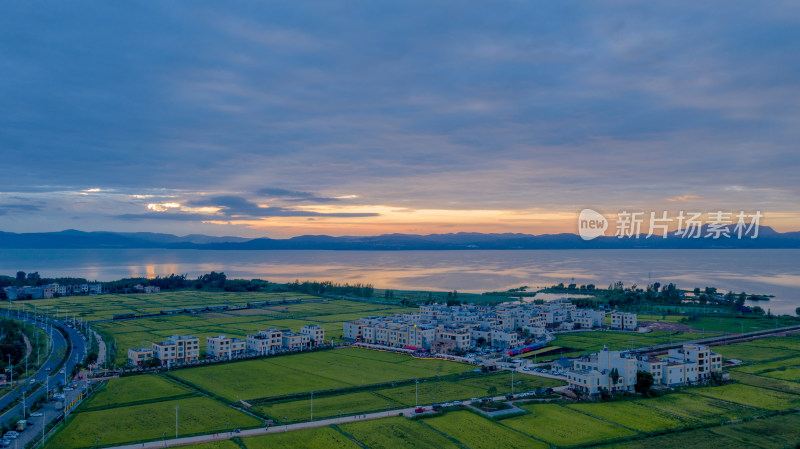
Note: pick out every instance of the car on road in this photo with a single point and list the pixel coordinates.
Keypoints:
(474, 400)
(68, 388)
(509, 396)
(33, 381)
(11, 435)
(456, 402)
(37, 414)
(47, 369)
(437, 407)
(62, 371)
(419, 410)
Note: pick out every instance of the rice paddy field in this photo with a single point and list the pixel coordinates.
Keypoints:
(633, 415)
(476, 432)
(327, 406)
(425, 393)
(316, 371)
(579, 343)
(148, 422)
(767, 433)
(317, 438)
(135, 389)
(751, 396)
(702, 409)
(562, 426)
(103, 307)
(397, 433)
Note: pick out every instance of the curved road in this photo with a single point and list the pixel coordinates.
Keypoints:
(75, 350)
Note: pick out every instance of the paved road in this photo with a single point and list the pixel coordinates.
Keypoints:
(75, 350)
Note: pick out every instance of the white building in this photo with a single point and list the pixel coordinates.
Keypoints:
(616, 370)
(624, 320)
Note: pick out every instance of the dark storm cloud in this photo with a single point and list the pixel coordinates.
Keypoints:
(235, 206)
(411, 104)
(6, 209)
(174, 216)
(295, 195)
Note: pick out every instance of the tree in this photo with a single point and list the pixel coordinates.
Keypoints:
(614, 376)
(151, 363)
(492, 391)
(20, 275)
(644, 382)
(758, 310)
(797, 311)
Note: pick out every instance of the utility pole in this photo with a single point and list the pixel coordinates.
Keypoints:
(416, 392)
(512, 382)
(312, 406)
(176, 421)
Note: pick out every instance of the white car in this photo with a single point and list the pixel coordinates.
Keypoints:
(37, 414)
(12, 435)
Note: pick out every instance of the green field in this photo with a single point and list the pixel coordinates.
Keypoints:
(316, 371)
(475, 387)
(476, 432)
(143, 388)
(326, 407)
(633, 415)
(751, 352)
(792, 374)
(397, 433)
(767, 366)
(316, 438)
(698, 407)
(766, 382)
(771, 432)
(751, 396)
(737, 324)
(578, 343)
(100, 307)
(147, 422)
(564, 427)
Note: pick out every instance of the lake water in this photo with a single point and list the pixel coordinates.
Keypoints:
(767, 271)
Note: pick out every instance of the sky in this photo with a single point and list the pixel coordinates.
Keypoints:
(369, 117)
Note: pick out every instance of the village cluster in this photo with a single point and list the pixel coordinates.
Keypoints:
(441, 329)
(185, 349)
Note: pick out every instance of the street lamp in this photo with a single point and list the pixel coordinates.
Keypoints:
(176, 421)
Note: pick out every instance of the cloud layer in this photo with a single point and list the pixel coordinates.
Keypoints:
(320, 117)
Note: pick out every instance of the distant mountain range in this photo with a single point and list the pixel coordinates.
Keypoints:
(767, 238)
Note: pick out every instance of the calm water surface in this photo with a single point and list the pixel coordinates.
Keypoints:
(770, 271)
